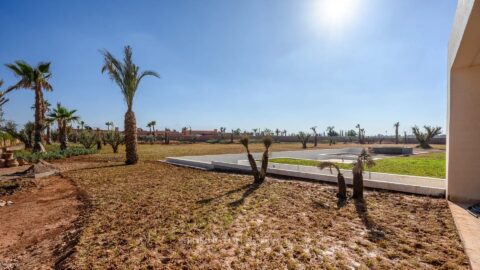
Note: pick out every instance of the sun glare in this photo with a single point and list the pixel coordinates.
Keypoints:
(337, 13)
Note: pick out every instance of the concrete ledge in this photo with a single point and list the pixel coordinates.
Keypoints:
(190, 163)
(320, 176)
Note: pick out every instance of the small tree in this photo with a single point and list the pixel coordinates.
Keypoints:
(63, 117)
(303, 137)
(25, 135)
(424, 138)
(315, 134)
(331, 134)
(87, 138)
(351, 134)
(342, 187)
(98, 138)
(364, 159)
(114, 138)
(396, 126)
(259, 176)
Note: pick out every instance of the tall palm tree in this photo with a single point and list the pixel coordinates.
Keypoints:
(3, 99)
(82, 125)
(149, 125)
(359, 133)
(108, 124)
(153, 123)
(36, 79)
(127, 76)
(396, 126)
(63, 117)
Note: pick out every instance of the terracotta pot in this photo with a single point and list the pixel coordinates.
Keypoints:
(12, 163)
(2, 163)
(7, 155)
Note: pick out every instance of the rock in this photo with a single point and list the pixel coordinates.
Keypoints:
(7, 155)
(2, 203)
(12, 163)
(22, 161)
(2, 163)
(40, 169)
(9, 202)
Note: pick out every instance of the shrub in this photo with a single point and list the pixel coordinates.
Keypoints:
(114, 139)
(87, 138)
(56, 154)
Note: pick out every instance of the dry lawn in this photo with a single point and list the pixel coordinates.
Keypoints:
(157, 216)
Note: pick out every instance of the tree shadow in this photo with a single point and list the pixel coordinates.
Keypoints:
(250, 190)
(375, 232)
(209, 200)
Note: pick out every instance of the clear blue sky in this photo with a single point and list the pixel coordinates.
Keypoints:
(246, 64)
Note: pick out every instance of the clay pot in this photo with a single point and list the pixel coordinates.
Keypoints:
(7, 155)
(2, 163)
(12, 163)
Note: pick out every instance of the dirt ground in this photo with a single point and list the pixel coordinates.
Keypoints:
(102, 214)
(39, 228)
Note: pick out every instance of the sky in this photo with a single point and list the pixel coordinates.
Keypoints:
(247, 64)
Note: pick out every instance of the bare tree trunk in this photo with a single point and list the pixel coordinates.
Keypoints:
(342, 187)
(357, 186)
(316, 140)
(263, 170)
(49, 135)
(131, 137)
(38, 146)
(253, 164)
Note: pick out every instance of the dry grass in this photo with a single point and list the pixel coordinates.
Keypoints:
(160, 216)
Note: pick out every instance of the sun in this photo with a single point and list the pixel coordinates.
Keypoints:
(337, 13)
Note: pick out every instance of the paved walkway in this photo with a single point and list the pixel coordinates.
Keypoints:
(469, 229)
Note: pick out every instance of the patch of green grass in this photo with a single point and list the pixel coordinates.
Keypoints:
(430, 165)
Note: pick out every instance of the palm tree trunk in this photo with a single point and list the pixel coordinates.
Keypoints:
(63, 137)
(253, 165)
(342, 187)
(131, 137)
(357, 186)
(49, 135)
(38, 146)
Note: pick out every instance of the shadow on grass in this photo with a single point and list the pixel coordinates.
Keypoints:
(251, 189)
(98, 167)
(209, 200)
(375, 232)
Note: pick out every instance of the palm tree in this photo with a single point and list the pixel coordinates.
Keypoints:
(36, 79)
(342, 187)
(303, 137)
(254, 131)
(149, 125)
(364, 159)
(3, 99)
(259, 176)
(82, 125)
(314, 129)
(396, 126)
(63, 117)
(424, 138)
(127, 76)
(108, 124)
(153, 123)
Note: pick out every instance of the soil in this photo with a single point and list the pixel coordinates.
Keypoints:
(40, 227)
